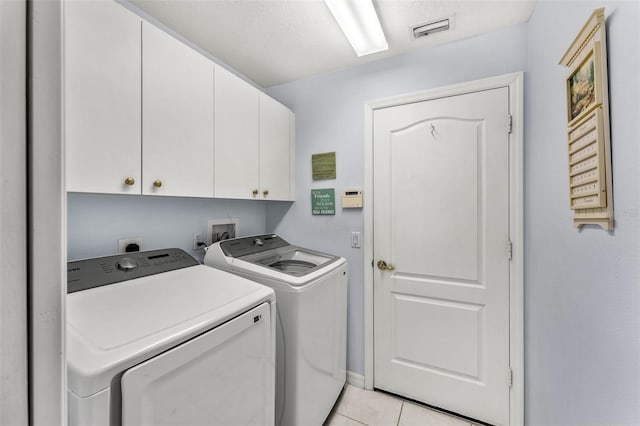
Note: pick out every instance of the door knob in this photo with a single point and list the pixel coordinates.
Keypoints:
(129, 181)
(157, 183)
(384, 266)
(255, 192)
(265, 192)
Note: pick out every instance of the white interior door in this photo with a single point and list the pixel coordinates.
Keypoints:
(441, 221)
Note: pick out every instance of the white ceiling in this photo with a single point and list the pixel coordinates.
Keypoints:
(278, 41)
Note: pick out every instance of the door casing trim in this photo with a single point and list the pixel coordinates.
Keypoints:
(515, 83)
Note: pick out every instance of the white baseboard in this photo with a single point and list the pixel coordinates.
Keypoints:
(355, 379)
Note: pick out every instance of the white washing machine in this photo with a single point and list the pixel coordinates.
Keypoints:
(154, 338)
(311, 340)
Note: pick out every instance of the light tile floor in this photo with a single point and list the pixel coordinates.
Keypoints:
(358, 407)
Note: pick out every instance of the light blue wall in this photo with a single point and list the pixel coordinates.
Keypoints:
(329, 117)
(95, 222)
(582, 288)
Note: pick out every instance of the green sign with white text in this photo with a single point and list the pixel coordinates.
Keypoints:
(323, 202)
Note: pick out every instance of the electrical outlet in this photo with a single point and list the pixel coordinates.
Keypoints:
(198, 242)
(125, 243)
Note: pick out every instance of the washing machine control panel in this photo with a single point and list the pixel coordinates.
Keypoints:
(90, 273)
(238, 247)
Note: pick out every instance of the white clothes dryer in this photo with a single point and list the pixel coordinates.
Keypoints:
(311, 339)
(154, 338)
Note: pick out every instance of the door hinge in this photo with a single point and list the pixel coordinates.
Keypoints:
(509, 250)
(510, 377)
(509, 123)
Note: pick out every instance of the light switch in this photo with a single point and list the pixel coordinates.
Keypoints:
(355, 239)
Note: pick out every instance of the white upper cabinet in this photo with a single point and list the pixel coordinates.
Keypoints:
(177, 120)
(147, 114)
(236, 137)
(276, 150)
(253, 142)
(102, 97)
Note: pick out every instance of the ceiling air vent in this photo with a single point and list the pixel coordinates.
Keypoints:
(424, 29)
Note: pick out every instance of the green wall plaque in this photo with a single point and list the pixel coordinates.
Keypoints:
(323, 166)
(323, 202)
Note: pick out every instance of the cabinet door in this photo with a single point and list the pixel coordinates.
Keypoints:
(276, 150)
(177, 118)
(102, 97)
(236, 137)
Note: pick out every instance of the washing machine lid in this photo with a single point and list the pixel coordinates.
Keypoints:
(113, 327)
(271, 257)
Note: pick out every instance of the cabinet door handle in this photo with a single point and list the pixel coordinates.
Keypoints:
(129, 181)
(157, 183)
(255, 192)
(265, 192)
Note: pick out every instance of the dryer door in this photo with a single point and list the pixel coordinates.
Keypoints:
(223, 377)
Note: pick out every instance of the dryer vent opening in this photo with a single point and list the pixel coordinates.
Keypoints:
(430, 27)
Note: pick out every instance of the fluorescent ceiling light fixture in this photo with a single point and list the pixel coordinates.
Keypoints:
(359, 22)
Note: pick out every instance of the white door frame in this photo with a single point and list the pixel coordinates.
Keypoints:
(516, 275)
(47, 216)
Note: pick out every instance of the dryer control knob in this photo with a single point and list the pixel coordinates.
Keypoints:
(258, 242)
(127, 264)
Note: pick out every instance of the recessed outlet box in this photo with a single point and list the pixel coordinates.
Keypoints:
(221, 229)
(128, 245)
